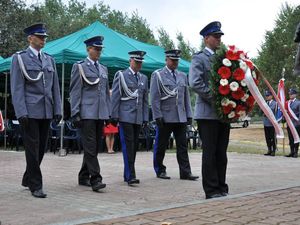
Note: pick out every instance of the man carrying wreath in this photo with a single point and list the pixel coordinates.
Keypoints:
(214, 133)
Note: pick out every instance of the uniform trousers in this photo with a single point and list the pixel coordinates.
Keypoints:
(270, 138)
(161, 144)
(215, 137)
(293, 146)
(91, 132)
(129, 136)
(35, 139)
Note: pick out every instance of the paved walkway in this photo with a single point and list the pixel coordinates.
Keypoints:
(68, 203)
(273, 207)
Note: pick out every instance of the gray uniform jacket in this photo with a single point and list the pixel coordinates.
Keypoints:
(130, 111)
(36, 99)
(199, 81)
(295, 106)
(90, 101)
(273, 106)
(173, 109)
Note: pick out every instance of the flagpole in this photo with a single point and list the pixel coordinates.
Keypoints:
(283, 127)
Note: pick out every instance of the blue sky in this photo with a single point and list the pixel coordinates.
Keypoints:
(244, 22)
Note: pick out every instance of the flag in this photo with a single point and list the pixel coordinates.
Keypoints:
(281, 96)
(1, 122)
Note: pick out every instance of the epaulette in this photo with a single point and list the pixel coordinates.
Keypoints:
(197, 53)
(21, 52)
(158, 70)
(47, 54)
(79, 62)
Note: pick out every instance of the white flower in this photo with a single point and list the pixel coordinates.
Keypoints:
(225, 101)
(254, 74)
(234, 86)
(242, 114)
(223, 82)
(226, 62)
(232, 103)
(243, 83)
(244, 98)
(231, 115)
(243, 66)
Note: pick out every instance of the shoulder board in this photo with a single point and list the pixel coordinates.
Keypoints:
(80, 61)
(197, 53)
(47, 54)
(158, 70)
(21, 52)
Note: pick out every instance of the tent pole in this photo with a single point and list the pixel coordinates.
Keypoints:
(62, 151)
(5, 111)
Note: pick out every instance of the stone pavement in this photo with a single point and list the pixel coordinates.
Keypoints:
(68, 203)
(273, 207)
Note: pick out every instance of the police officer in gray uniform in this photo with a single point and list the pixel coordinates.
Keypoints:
(130, 109)
(36, 99)
(90, 108)
(268, 126)
(293, 105)
(213, 132)
(171, 109)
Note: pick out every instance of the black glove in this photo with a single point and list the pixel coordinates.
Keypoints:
(76, 120)
(57, 119)
(114, 121)
(189, 121)
(24, 121)
(160, 122)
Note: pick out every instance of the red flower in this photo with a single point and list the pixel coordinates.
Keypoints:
(224, 72)
(231, 55)
(224, 90)
(249, 64)
(239, 74)
(238, 94)
(250, 100)
(240, 108)
(227, 109)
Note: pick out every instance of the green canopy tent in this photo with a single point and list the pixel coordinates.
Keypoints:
(70, 49)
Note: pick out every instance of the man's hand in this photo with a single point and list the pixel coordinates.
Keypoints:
(76, 120)
(160, 122)
(24, 121)
(57, 119)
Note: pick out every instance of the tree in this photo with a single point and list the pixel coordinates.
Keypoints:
(186, 50)
(164, 39)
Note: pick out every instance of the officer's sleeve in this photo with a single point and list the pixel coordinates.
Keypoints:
(155, 97)
(108, 97)
(56, 91)
(75, 90)
(196, 78)
(115, 97)
(146, 102)
(187, 101)
(17, 85)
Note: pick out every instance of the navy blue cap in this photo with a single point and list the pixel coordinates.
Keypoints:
(293, 91)
(96, 41)
(173, 54)
(212, 28)
(137, 55)
(38, 29)
(268, 93)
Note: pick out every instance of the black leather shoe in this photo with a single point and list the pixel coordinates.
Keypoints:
(98, 185)
(289, 155)
(224, 193)
(295, 155)
(39, 193)
(189, 177)
(133, 181)
(214, 196)
(163, 175)
(84, 183)
(268, 153)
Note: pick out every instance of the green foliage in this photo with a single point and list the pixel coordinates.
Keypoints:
(278, 51)
(164, 39)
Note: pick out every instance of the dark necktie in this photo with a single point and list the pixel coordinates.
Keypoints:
(96, 65)
(136, 77)
(174, 76)
(39, 57)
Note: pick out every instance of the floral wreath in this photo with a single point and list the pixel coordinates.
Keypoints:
(233, 99)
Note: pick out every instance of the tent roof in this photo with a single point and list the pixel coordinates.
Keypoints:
(70, 49)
